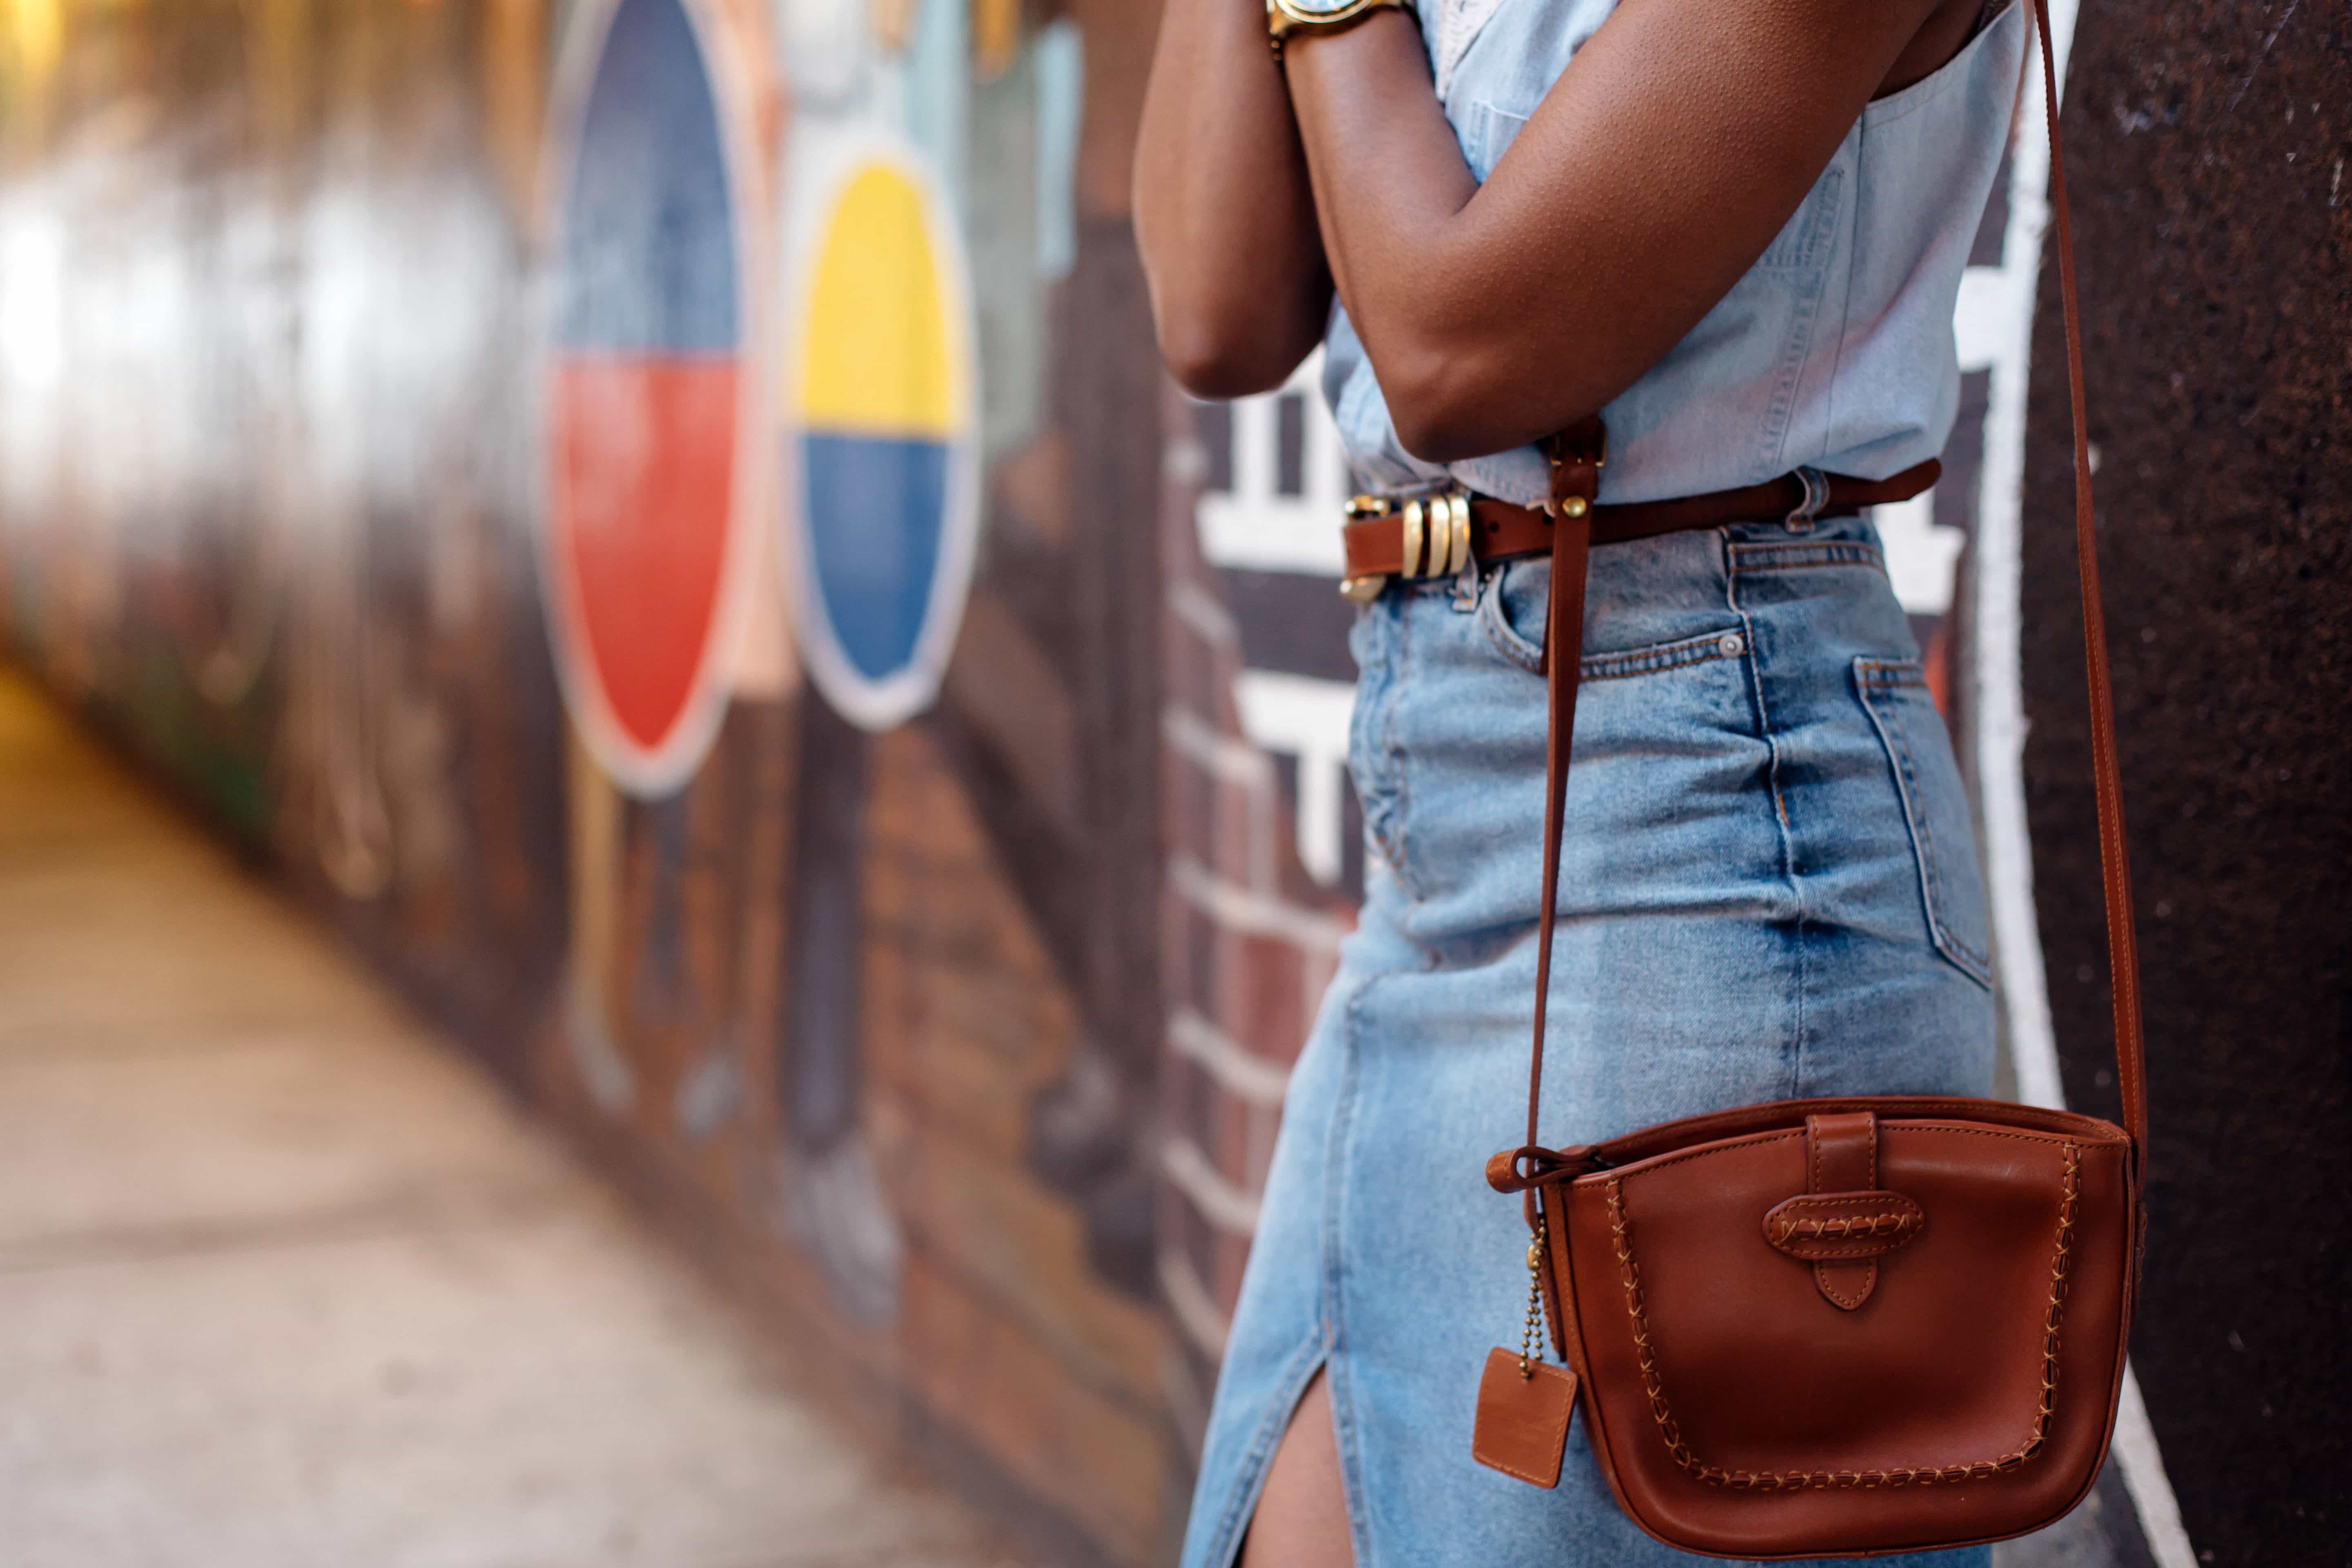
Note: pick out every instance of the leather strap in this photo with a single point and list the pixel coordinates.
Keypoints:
(2106, 773)
(1576, 477)
(1500, 532)
(1842, 1156)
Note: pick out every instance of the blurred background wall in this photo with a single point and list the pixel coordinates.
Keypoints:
(662, 520)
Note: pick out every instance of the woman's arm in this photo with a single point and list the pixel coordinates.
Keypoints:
(1667, 156)
(1223, 214)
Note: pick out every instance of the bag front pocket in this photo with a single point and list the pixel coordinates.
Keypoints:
(1894, 692)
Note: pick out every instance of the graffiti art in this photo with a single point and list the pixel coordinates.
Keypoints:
(880, 403)
(652, 390)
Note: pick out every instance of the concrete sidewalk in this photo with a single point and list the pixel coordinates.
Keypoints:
(284, 1283)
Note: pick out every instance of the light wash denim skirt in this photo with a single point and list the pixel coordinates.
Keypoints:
(1769, 889)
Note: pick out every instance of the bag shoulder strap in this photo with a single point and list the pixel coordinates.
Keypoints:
(1576, 456)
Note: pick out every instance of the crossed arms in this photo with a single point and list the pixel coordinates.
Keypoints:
(1670, 152)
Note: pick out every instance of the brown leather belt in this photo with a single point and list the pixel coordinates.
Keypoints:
(1437, 536)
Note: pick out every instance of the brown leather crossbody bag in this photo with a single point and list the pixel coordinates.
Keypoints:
(1830, 1328)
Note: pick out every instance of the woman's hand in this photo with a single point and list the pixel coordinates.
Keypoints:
(1223, 214)
(1667, 156)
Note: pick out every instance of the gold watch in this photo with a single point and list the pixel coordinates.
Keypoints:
(1284, 17)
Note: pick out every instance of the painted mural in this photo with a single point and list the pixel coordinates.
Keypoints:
(662, 520)
(653, 407)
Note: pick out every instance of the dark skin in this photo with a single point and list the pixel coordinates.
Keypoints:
(1670, 152)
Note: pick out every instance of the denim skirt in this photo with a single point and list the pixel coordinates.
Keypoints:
(1769, 889)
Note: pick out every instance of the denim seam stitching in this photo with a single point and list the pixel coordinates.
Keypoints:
(1799, 971)
(1322, 1348)
(1660, 657)
(1652, 658)
(1852, 265)
(1401, 783)
(1773, 443)
(1242, 1506)
(1382, 804)
(1884, 676)
(1340, 1154)
(1750, 557)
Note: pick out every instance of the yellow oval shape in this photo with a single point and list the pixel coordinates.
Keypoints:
(878, 355)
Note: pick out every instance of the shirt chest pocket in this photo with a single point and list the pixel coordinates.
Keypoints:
(1486, 133)
(1805, 241)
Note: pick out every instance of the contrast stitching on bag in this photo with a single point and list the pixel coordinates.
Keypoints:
(1670, 1430)
(1704, 1153)
(1759, 1140)
(1849, 1227)
(1849, 1301)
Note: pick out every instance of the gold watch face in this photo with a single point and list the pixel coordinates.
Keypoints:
(1313, 13)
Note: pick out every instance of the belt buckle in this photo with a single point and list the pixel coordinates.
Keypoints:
(1436, 537)
(1364, 589)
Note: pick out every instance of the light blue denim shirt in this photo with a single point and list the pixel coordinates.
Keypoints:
(1834, 351)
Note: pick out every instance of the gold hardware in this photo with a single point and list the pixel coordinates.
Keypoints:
(1361, 507)
(1572, 506)
(1531, 1337)
(1361, 590)
(1283, 17)
(1460, 506)
(1412, 532)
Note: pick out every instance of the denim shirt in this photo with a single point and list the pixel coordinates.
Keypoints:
(1834, 351)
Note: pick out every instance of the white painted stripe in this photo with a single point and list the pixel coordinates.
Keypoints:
(2000, 709)
(1196, 1310)
(1227, 757)
(1241, 1071)
(1251, 913)
(1221, 1203)
(2000, 698)
(1271, 533)
(1921, 558)
(1987, 307)
(1183, 461)
(1308, 720)
(1205, 613)
(2144, 1478)
(1252, 526)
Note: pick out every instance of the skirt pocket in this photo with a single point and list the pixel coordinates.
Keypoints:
(1894, 692)
(1516, 603)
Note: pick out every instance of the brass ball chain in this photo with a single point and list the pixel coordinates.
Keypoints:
(1531, 1337)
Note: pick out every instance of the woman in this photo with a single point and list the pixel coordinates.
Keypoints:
(1735, 232)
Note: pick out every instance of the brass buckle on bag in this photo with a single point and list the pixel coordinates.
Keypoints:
(1436, 537)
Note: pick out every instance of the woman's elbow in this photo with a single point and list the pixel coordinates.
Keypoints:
(1452, 404)
(1212, 355)
(1440, 414)
(1210, 365)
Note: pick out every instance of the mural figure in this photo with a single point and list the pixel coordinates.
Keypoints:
(653, 398)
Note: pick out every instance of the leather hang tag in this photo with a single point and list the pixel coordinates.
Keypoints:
(1522, 1426)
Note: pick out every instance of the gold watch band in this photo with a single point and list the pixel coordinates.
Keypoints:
(1284, 17)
